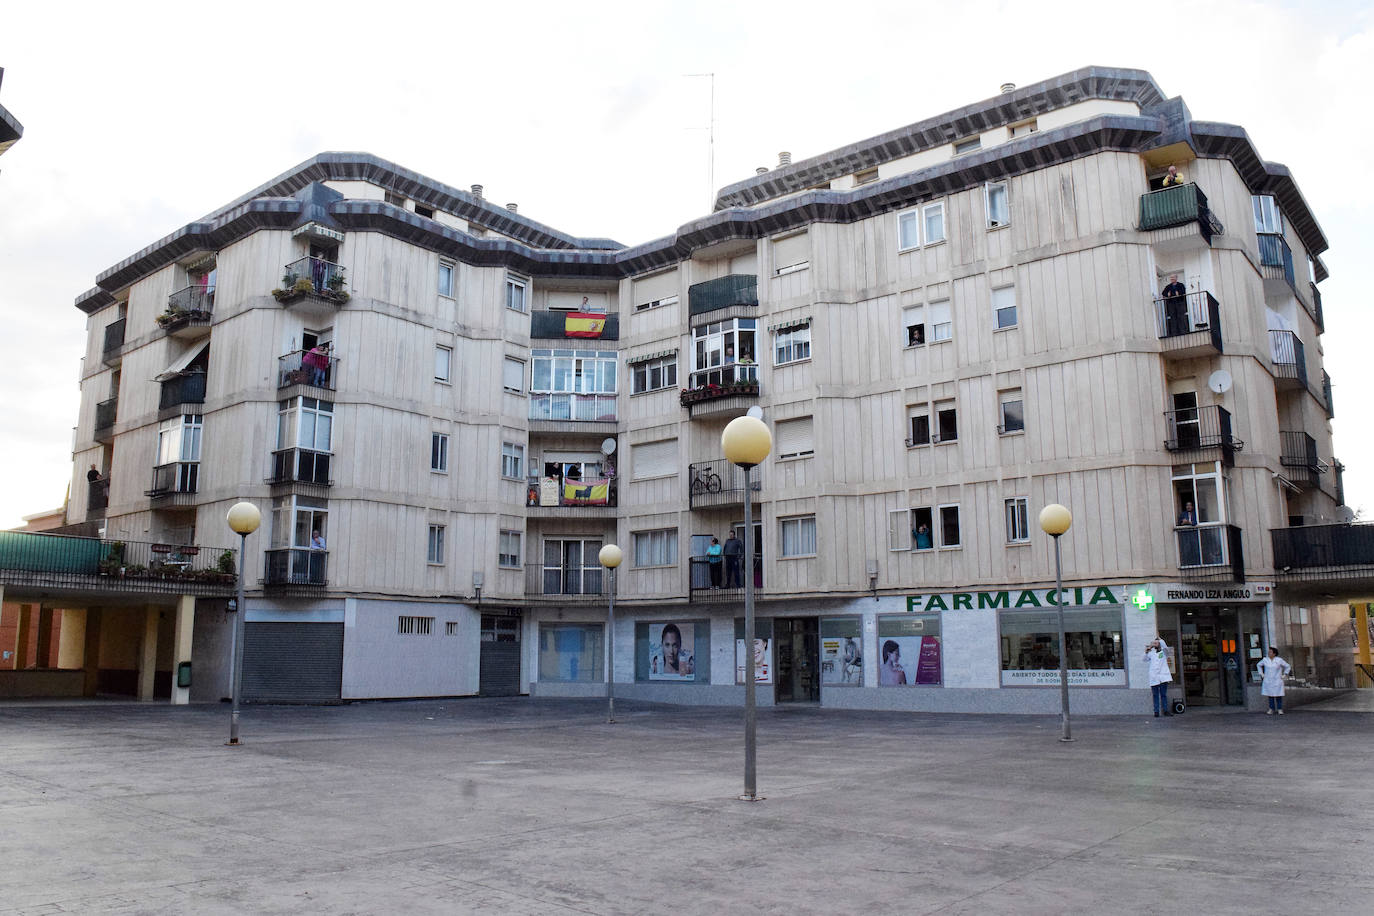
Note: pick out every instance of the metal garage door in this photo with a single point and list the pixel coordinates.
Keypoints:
(499, 673)
(293, 662)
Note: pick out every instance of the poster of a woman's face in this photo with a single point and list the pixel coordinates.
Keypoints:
(671, 652)
(909, 661)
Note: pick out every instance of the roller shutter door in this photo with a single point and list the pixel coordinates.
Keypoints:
(293, 662)
(499, 660)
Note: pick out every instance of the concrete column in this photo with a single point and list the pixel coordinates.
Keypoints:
(21, 637)
(90, 654)
(147, 657)
(181, 645)
(42, 656)
(71, 638)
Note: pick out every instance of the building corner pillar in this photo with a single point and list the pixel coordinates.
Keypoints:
(147, 658)
(181, 645)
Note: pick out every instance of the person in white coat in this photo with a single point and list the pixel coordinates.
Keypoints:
(1157, 657)
(1272, 671)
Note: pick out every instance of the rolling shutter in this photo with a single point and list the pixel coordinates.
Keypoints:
(655, 287)
(795, 437)
(654, 459)
(292, 662)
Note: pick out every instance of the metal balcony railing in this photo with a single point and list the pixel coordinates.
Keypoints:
(552, 324)
(192, 305)
(1315, 546)
(723, 292)
(1276, 258)
(1298, 453)
(731, 375)
(300, 465)
(1326, 396)
(1210, 548)
(1317, 314)
(702, 580)
(302, 367)
(1290, 360)
(114, 336)
(1196, 428)
(550, 492)
(54, 560)
(568, 406)
(719, 483)
(1194, 313)
(296, 566)
(566, 581)
(175, 477)
(1176, 206)
(97, 495)
(323, 276)
(105, 414)
(182, 388)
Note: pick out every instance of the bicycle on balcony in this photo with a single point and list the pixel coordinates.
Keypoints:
(705, 480)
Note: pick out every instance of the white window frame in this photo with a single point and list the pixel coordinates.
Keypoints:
(1265, 213)
(443, 364)
(448, 275)
(925, 222)
(179, 439)
(1010, 396)
(806, 452)
(899, 530)
(912, 218)
(936, 408)
(655, 548)
(939, 540)
(438, 452)
(914, 412)
(943, 331)
(801, 522)
(997, 309)
(988, 190)
(506, 365)
(656, 303)
(929, 510)
(517, 294)
(435, 548)
(1017, 513)
(967, 145)
(512, 461)
(508, 549)
(642, 374)
(791, 342)
(291, 414)
(908, 313)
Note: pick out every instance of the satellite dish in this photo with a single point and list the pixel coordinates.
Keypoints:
(1219, 381)
(1346, 515)
(756, 412)
(607, 446)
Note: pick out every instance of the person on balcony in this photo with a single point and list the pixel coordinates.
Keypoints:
(1188, 517)
(316, 540)
(1175, 307)
(1174, 177)
(714, 560)
(316, 362)
(319, 271)
(734, 561)
(93, 474)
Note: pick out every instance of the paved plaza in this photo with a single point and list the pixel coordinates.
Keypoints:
(540, 807)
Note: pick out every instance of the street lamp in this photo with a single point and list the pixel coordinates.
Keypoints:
(244, 519)
(1054, 521)
(610, 557)
(746, 441)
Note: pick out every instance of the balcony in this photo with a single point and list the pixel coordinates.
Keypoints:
(1276, 262)
(97, 498)
(731, 588)
(304, 367)
(558, 324)
(182, 388)
(728, 390)
(188, 312)
(113, 349)
(1180, 205)
(1189, 326)
(1298, 453)
(719, 483)
(313, 280)
(722, 293)
(175, 483)
(1316, 309)
(1290, 361)
(296, 568)
(1196, 429)
(300, 465)
(48, 563)
(1210, 551)
(551, 497)
(1326, 396)
(569, 412)
(567, 584)
(1324, 552)
(105, 415)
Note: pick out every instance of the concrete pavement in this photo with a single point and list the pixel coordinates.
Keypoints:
(535, 807)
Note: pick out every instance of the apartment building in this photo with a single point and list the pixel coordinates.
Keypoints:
(1071, 292)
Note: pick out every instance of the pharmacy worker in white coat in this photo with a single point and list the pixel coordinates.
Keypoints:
(1273, 670)
(1157, 657)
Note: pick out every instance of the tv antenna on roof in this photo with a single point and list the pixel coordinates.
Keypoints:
(710, 144)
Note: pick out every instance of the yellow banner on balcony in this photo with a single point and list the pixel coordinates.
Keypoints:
(583, 324)
(586, 492)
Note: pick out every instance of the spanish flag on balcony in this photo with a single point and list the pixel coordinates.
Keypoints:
(586, 492)
(583, 324)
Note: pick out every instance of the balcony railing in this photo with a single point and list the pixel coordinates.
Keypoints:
(723, 292)
(1276, 258)
(1290, 361)
(566, 581)
(182, 388)
(1326, 396)
(313, 277)
(105, 414)
(302, 367)
(555, 324)
(1317, 308)
(1197, 428)
(300, 465)
(188, 307)
(296, 566)
(567, 406)
(97, 495)
(1176, 206)
(1183, 316)
(725, 584)
(114, 339)
(719, 483)
(551, 492)
(1298, 453)
(176, 477)
(1317, 546)
(58, 561)
(1210, 549)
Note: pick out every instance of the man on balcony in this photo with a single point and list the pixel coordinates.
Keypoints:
(1173, 178)
(734, 561)
(1175, 307)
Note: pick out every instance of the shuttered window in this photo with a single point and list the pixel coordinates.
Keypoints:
(941, 323)
(795, 437)
(791, 253)
(654, 459)
(513, 375)
(653, 291)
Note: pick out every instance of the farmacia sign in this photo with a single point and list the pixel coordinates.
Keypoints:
(1079, 596)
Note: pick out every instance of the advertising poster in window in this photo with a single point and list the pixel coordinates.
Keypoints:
(671, 652)
(842, 661)
(1030, 648)
(909, 652)
(763, 654)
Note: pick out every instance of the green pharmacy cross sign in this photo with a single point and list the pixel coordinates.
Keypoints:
(1143, 599)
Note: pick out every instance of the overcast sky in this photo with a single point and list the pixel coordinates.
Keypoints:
(141, 117)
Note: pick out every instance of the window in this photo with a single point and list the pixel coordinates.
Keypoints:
(571, 653)
(515, 293)
(1030, 647)
(656, 303)
(918, 422)
(509, 551)
(655, 290)
(792, 345)
(305, 423)
(178, 439)
(1004, 307)
(295, 521)
(436, 545)
(922, 528)
(656, 548)
(1018, 521)
(451, 628)
(1268, 217)
(512, 460)
(909, 650)
(654, 459)
(1200, 495)
(1024, 128)
(908, 230)
(999, 212)
(798, 536)
(941, 323)
(946, 422)
(513, 375)
(899, 529)
(446, 279)
(573, 384)
(571, 566)
(396, 200)
(791, 253)
(414, 626)
(438, 452)
(865, 176)
(443, 363)
(968, 146)
(934, 218)
(914, 320)
(949, 526)
(654, 374)
(1013, 412)
(794, 438)
(426, 212)
(723, 352)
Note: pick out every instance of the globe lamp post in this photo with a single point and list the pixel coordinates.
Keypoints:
(244, 518)
(610, 557)
(1054, 521)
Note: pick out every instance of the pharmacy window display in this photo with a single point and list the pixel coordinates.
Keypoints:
(909, 651)
(842, 660)
(763, 651)
(1030, 648)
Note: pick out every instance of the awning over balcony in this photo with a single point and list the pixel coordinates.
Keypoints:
(182, 362)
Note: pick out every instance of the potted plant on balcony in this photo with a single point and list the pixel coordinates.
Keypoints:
(174, 314)
(113, 562)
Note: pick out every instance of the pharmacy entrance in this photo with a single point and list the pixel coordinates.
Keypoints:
(1215, 649)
